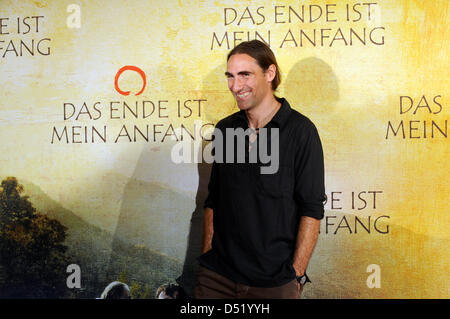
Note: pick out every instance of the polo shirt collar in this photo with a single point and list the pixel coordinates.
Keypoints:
(278, 119)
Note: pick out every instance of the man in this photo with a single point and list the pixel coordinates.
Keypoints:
(260, 229)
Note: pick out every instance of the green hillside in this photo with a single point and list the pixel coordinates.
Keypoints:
(91, 248)
(154, 216)
(136, 211)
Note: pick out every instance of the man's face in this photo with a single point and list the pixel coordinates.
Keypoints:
(247, 81)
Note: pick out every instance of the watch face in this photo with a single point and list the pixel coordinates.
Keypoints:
(302, 280)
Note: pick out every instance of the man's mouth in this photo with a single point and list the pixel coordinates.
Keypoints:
(243, 95)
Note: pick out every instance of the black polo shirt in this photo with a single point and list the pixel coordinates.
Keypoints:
(256, 215)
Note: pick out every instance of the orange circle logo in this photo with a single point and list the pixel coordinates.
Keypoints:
(130, 68)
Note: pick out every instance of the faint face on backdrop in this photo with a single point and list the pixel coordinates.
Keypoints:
(248, 82)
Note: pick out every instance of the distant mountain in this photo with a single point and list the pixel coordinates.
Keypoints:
(91, 248)
(136, 211)
(412, 265)
(155, 216)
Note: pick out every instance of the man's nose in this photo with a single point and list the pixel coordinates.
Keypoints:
(236, 85)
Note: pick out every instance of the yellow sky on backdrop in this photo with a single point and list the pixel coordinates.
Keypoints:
(177, 59)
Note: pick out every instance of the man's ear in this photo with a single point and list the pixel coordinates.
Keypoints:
(271, 72)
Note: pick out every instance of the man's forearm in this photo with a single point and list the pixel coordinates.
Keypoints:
(308, 232)
(208, 229)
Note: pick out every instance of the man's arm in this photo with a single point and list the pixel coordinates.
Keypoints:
(208, 229)
(308, 231)
(310, 195)
(211, 200)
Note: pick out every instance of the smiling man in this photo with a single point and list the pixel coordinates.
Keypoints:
(260, 229)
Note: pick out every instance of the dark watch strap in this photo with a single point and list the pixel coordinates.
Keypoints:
(302, 279)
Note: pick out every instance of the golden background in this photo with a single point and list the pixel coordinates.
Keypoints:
(351, 92)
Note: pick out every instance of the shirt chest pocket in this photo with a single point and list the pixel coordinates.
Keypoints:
(236, 175)
(279, 184)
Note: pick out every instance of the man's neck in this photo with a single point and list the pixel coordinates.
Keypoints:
(260, 115)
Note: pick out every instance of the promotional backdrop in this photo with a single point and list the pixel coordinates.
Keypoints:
(96, 96)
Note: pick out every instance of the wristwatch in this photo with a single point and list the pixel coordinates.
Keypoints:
(302, 279)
